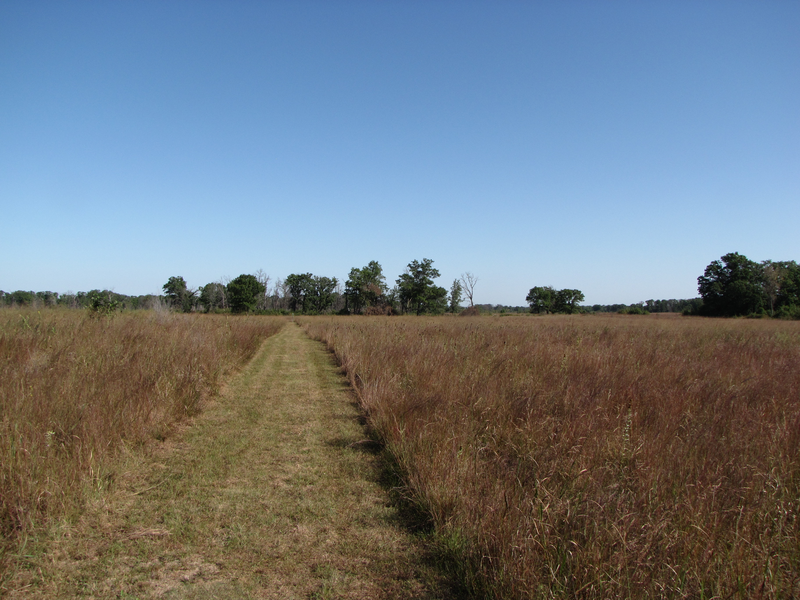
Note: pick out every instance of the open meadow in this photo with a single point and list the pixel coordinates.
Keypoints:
(593, 456)
(579, 456)
(76, 389)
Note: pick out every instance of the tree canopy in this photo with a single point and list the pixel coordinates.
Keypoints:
(545, 299)
(212, 296)
(178, 294)
(321, 294)
(244, 293)
(365, 287)
(567, 300)
(416, 290)
(541, 299)
(734, 285)
(310, 293)
(299, 286)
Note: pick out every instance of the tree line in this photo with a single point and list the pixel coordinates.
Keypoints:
(365, 291)
(731, 286)
(548, 300)
(79, 299)
(672, 305)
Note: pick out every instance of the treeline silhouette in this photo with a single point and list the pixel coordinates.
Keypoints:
(78, 299)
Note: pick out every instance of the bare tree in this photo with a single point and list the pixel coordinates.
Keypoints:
(468, 283)
(276, 294)
(281, 294)
(263, 279)
(339, 302)
(224, 281)
(774, 274)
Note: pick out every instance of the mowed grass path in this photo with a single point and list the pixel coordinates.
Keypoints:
(267, 495)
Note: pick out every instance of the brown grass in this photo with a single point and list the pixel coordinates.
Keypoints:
(594, 457)
(271, 493)
(74, 390)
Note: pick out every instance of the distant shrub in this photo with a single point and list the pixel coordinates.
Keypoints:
(633, 310)
(102, 303)
(472, 311)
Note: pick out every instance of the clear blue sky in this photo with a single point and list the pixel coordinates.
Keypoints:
(614, 147)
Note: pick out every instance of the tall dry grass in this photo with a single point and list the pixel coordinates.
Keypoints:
(594, 457)
(74, 389)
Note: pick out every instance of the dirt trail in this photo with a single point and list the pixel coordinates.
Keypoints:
(264, 496)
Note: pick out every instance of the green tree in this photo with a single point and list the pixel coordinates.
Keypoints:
(179, 296)
(321, 294)
(566, 301)
(244, 293)
(311, 293)
(417, 292)
(548, 300)
(299, 287)
(455, 296)
(212, 296)
(541, 299)
(731, 286)
(365, 287)
(21, 298)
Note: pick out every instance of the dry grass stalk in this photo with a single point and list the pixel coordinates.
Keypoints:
(75, 389)
(594, 457)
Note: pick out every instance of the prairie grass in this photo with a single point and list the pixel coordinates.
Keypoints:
(77, 389)
(593, 456)
(268, 495)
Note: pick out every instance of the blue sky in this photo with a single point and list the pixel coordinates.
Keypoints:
(614, 147)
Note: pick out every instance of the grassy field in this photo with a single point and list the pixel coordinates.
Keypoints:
(557, 457)
(271, 493)
(594, 456)
(76, 390)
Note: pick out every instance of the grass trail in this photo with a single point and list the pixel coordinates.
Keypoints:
(264, 496)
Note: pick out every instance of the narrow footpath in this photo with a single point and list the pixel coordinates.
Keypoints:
(268, 494)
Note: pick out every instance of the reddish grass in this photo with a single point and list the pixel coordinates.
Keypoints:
(75, 389)
(594, 456)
